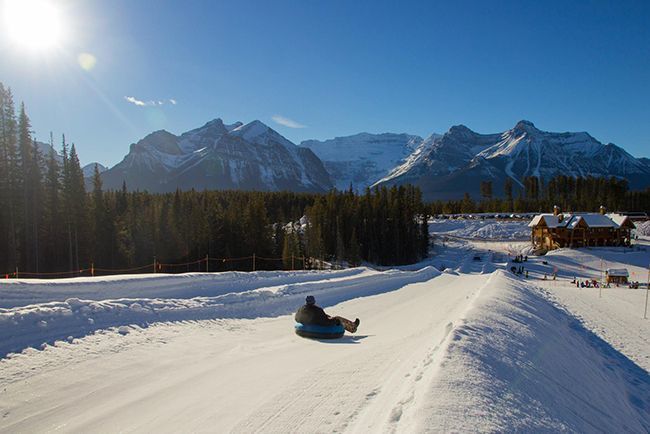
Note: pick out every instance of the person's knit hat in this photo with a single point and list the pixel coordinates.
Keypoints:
(310, 299)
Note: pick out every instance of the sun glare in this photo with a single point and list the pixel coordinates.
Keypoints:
(33, 24)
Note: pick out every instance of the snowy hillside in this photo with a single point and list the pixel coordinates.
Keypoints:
(643, 228)
(460, 159)
(482, 229)
(219, 156)
(363, 159)
(474, 348)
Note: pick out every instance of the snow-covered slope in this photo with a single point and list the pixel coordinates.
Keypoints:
(219, 156)
(45, 150)
(363, 159)
(465, 351)
(89, 169)
(459, 160)
(517, 363)
(481, 229)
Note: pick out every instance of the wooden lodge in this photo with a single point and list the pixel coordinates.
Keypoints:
(617, 276)
(552, 231)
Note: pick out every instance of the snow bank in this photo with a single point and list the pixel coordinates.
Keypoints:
(22, 292)
(32, 325)
(518, 363)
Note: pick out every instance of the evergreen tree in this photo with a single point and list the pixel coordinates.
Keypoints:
(31, 185)
(52, 214)
(486, 190)
(507, 190)
(354, 251)
(101, 224)
(10, 189)
(291, 250)
(75, 204)
(340, 246)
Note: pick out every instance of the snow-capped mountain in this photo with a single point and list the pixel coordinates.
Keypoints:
(448, 166)
(363, 159)
(219, 156)
(45, 150)
(89, 169)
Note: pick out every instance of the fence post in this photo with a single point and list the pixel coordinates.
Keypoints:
(92, 269)
(253, 261)
(647, 290)
(304, 267)
(292, 265)
(154, 265)
(16, 272)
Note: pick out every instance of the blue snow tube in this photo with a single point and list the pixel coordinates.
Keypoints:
(319, 332)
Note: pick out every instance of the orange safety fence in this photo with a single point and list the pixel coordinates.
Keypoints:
(156, 266)
(122, 270)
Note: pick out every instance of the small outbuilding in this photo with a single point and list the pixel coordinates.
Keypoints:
(617, 276)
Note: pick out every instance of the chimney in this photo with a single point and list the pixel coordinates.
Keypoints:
(556, 210)
(603, 210)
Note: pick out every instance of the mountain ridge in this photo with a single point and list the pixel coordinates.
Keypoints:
(254, 156)
(249, 156)
(460, 159)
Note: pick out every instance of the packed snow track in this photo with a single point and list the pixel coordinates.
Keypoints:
(241, 375)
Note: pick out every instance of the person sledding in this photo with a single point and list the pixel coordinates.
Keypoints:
(310, 314)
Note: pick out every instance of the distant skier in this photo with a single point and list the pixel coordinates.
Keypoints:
(309, 313)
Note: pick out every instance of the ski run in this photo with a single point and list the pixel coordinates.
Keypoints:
(456, 344)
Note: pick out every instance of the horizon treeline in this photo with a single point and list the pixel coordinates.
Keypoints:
(586, 194)
(50, 223)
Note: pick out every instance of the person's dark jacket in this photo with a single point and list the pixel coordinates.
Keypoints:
(312, 314)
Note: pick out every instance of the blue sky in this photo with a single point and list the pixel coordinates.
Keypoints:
(336, 68)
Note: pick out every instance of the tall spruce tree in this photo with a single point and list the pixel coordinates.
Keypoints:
(31, 200)
(75, 202)
(10, 188)
(52, 215)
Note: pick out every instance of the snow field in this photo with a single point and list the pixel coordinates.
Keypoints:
(615, 314)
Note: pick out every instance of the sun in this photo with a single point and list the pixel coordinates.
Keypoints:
(33, 24)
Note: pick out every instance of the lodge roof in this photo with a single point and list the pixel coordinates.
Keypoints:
(618, 272)
(571, 221)
(550, 220)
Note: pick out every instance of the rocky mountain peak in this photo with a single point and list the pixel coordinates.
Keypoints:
(460, 130)
(524, 127)
(219, 125)
(219, 156)
(161, 141)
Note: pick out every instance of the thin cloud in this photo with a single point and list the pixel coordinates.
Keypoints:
(133, 100)
(287, 122)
